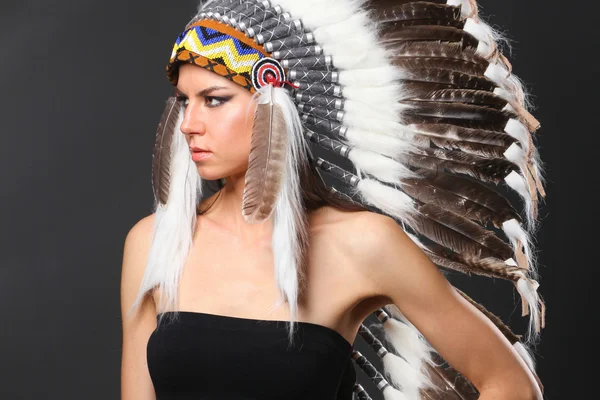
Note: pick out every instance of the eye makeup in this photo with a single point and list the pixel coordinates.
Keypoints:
(209, 99)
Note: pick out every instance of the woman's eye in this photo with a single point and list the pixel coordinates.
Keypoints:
(214, 101)
(184, 100)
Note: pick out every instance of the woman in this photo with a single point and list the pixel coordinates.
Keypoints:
(415, 96)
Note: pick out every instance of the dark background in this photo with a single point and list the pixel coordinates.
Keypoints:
(83, 86)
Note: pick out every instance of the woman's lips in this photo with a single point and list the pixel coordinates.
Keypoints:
(201, 155)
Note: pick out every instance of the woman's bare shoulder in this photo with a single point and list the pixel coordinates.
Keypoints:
(337, 219)
(142, 227)
(357, 234)
(348, 236)
(135, 255)
(353, 233)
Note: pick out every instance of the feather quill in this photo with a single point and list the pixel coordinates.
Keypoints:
(477, 97)
(266, 161)
(459, 234)
(396, 12)
(449, 383)
(478, 149)
(444, 76)
(469, 263)
(484, 169)
(161, 157)
(454, 132)
(434, 33)
(463, 196)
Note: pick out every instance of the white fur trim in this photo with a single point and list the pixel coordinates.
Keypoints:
(174, 226)
(391, 201)
(518, 131)
(383, 168)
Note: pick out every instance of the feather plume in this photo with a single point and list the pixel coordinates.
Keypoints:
(452, 56)
(476, 97)
(396, 12)
(161, 157)
(416, 89)
(484, 169)
(174, 224)
(391, 201)
(463, 196)
(397, 368)
(445, 76)
(449, 383)
(383, 168)
(459, 234)
(442, 382)
(473, 264)
(401, 374)
(290, 235)
(416, 63)
(434, 33)
(477, 149)
(266, 161)
(459, 133)
(458, 111)
(406, 341)
(385, 144)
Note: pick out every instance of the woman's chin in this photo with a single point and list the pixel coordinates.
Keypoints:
(207, 176)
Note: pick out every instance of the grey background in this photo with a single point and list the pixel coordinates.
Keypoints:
(83, 86)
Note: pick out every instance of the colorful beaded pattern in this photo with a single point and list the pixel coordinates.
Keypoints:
(218, 48)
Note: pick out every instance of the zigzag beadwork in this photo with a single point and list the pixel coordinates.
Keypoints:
(219, 48)
(212, 44)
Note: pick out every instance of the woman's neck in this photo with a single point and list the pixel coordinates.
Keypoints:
(225, 209)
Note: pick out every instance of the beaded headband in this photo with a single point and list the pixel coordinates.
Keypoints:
(218, 48)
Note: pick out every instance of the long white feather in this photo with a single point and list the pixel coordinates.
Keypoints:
(353, 26)
(377, 142)
(362, 94)
(174, 226)
(289, 221)
(370, 110)
(330, 12)
(517, 183)
(392, 201)
(405, 337)
(517, 156)
(465, 7)
(349, 24)
(390, 393)
(402, 374)
(516, 234)
(391, 128)
(528, 290)
(371, 77)
(383, 168)
(407, 341)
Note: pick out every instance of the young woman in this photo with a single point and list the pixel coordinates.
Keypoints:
(416, 114)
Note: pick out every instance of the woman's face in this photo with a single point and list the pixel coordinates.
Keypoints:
(218, 117)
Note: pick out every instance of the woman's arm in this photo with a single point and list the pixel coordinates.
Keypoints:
(469, 341)
(135, 378)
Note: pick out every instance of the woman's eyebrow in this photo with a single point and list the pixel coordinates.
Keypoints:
(204, 92)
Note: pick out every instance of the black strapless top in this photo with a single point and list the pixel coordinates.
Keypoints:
(208, 357)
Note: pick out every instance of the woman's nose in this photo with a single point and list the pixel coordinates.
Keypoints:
(192, 122)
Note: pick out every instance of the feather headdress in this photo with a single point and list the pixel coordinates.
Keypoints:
(417, 96)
